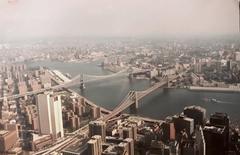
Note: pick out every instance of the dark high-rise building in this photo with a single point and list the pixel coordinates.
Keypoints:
(183, 123)
(216, 134)
(169, 132)
(127, 132)
(215, 137)
(197, 113)
(130, 132)
(219, 119)
(229, 65)
(97, 128)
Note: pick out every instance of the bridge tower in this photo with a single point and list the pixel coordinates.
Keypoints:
(82, 85)
(130, 75)
(134, 106)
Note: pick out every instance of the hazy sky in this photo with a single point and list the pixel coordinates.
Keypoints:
(47, 18)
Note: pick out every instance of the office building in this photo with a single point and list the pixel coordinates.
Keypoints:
(196, 145)
(129, 131)
(95, 112)
(215, 137)
(197, 113)
(169, 132)
(219, 119)
(8, 139)
(130, 143)
(95, 145)
(50, 114)
(45, 80)
(97, 128)
(197, 66)
(75, 122)
(182, 122)
(200, 141)
(122, 148)
(222, 120)
(22, 87)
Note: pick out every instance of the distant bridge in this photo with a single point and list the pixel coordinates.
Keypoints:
(79, 79)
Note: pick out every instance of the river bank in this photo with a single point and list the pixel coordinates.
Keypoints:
(214, 89)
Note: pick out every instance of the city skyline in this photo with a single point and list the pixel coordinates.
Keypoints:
(139, 77)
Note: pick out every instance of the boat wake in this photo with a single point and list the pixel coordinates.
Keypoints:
(216, 101)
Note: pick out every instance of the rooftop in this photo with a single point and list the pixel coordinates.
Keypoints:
(214, 129)
(194, 107)
(3, 132)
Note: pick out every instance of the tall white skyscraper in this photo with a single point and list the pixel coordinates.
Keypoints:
(50, 114)
(237, 56)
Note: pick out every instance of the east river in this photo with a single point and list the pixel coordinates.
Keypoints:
(163, 102)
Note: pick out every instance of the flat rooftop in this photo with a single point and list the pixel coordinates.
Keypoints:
(3, 132)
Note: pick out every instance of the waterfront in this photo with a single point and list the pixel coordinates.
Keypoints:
(164, 102)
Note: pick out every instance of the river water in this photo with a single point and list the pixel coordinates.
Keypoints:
(161, 103)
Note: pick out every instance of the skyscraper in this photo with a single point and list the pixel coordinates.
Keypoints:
(197, 113)
(95, 145)
(130, 142)
(50, 114)
(216, 134)
(182, 122)
(198, 66)
(97, 128)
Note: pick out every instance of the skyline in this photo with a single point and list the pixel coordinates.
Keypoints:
(23, 19)
(138, 77)
(158, 80)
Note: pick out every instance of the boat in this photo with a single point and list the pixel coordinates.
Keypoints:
(211, 100)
